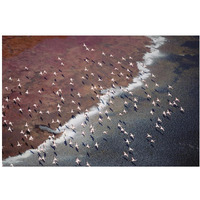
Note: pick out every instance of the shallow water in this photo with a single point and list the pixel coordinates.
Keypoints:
(178, 145)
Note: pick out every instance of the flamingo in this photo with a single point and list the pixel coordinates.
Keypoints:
(148, 96)
(169, 94)
(159, 120)
(96, 145)
(18, 144)
(132, 136)
(133, 159)
(149, 136)
(152, 112)
(125, 154)
(127, 141)
(153, 76)
(181, 109)
(152, 141)
(176, 99)
(130, 149)
(78, 161)
(170, 87)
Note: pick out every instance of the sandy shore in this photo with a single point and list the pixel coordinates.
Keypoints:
(42, 55)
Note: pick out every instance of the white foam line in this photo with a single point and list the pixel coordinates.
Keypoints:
(157, 41)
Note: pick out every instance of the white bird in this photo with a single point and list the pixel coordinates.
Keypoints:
(55, 73)
(130, 149)
(170, 87)
(10, 79)
(31, 138)
(78, 161)
(132, 136)
(83, 133)
(148, 96)
(54, 160)
(9, 129)
(18, 99)
(131, 64)
(127, 141)
(157, 126)
(96, 145)
(26, 68)
(151, 112)
(7, 99)
(154, 103)
(78, 94)
(105, 132)
(18, 144)
(149, 136)
(176, 99)
(88, 146)
(40, 112)
(152, 141)
(161, 128)
(168, 112)
(159, 120)
(26, 125)
(6, 88)
(103, 53)
(125, 154)
(153, 75)
(133, 159)
(156, 84)
(87, 164)
(182, 110)
(26, 92)
(76, 146)
(158, 100)
(123, 58)
(169, 94)
(135, 105)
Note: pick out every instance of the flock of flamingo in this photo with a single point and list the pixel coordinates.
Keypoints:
(103, 115)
